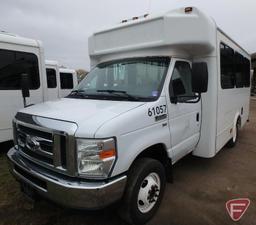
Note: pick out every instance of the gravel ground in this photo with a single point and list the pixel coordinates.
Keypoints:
(197, 197)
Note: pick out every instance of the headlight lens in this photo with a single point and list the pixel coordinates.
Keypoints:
(95, 158)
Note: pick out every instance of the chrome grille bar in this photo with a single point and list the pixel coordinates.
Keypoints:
(56, 149)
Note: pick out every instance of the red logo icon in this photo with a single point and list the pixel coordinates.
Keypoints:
(237, 207)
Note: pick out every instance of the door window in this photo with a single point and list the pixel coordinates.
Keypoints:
(181, 81)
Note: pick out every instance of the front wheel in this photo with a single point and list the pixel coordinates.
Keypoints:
(144, 191)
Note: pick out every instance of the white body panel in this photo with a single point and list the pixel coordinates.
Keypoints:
(191, 37)
(231, 102)
(184, 127)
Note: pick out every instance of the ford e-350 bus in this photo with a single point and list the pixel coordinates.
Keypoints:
(160, 88)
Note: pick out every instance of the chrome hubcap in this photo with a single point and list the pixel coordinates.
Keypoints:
(148, 193)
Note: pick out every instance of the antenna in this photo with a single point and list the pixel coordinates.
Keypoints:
(149, 5)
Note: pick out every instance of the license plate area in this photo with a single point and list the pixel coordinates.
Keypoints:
(36, 181)
(28, 191)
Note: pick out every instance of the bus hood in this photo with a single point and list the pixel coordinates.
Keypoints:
(84, 112)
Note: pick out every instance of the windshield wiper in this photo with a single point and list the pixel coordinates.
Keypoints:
(124, 93)
(77, 93)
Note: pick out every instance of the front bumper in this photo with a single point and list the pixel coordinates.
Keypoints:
(68, 192)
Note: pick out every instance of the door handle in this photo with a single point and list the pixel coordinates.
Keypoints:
(197, 117)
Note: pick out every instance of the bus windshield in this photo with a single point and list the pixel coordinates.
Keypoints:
(138, 79)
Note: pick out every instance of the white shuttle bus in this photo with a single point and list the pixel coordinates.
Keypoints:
(18, 56)
(53, 79)
(22, 56)
(60, 81)
(160, 87)
(68, 80)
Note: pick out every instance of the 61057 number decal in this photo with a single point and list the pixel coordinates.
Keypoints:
(158, 110)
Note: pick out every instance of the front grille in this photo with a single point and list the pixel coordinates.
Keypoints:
(45, 148)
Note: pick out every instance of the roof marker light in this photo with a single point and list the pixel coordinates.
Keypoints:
(188, 9)
(135, 18)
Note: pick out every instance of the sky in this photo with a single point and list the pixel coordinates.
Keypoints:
(65, 25)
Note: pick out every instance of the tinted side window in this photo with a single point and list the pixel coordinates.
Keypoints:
(242, 71)
(246, 72)
(66, 81)
(226, 67)
(13, 64)
(239, 75)
(181, 80)
(235, 68)
(51, 78)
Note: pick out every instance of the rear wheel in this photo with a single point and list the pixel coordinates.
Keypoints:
(144, 191)
(232, 142)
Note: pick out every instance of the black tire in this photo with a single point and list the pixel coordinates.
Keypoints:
(141, 169)
(232, 143)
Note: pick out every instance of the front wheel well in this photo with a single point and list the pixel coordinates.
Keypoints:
(239, 122)
(159, 153)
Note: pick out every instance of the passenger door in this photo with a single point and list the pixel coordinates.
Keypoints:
(184, 117)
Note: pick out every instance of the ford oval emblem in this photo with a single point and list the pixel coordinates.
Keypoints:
(32, 143)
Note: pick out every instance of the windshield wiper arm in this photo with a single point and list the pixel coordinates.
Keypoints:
(131, 97)
(79, 93)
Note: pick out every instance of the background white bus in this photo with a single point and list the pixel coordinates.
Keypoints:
(53, 79)
(19, 55)
(68, 80)
(60, 81)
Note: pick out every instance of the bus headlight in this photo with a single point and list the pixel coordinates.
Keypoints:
(95, 158)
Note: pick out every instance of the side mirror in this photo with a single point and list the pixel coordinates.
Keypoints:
(199, 77)
(24, 83)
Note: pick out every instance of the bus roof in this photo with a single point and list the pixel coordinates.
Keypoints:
(51, 63)
(15, 39)
(184, 29)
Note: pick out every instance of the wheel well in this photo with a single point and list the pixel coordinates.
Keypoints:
(238, 121)
(158, 152)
